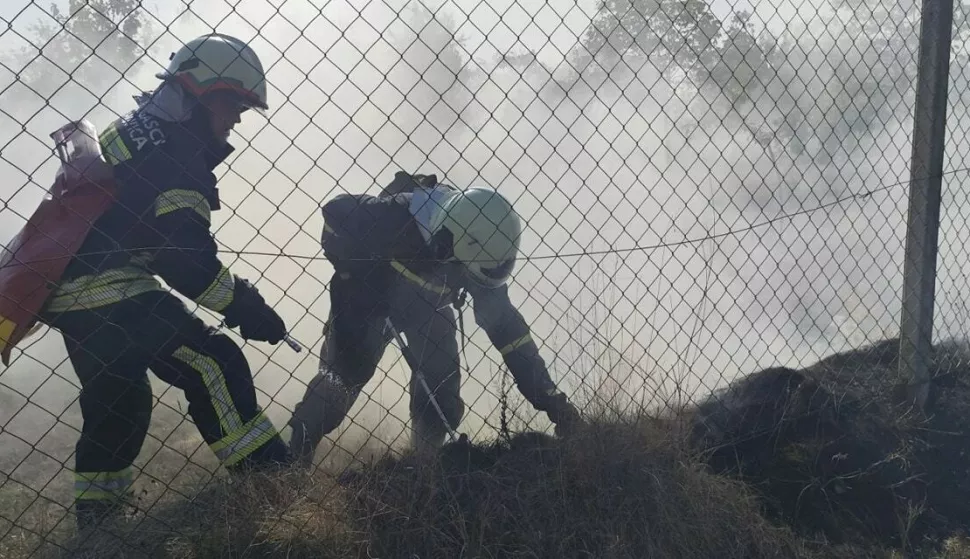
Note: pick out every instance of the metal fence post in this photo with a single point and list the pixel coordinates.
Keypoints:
(929, 128)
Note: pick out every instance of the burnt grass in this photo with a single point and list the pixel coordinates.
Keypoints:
(825, 461)
(836, 450)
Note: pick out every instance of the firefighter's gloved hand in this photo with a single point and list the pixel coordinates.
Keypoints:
(564, 416)
(256, 320)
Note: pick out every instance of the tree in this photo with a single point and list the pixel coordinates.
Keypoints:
(671, 33)
(82, 46)
(807, 95)
(66, 70)
(445, 77)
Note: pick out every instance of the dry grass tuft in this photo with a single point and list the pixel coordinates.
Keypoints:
(613, 491)
(814, 463)
(263, 514)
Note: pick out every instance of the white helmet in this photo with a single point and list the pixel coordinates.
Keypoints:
(217, 62)
(485, 233)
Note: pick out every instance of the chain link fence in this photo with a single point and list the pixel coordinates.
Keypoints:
(709, 189)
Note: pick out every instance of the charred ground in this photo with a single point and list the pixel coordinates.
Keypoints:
(836, 451)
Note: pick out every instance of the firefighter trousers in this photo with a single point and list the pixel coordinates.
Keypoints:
(355, 341)
(112, 348)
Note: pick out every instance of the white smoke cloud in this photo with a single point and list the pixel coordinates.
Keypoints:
(795, 267)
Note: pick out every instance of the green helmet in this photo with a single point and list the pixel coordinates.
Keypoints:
(485, 233)
(217, 62)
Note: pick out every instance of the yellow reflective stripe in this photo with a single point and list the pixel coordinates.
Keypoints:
(104, 138)
(114, 147)
(98, 290)
(241, 443)
(215, 383)
(102, 485)
(516, 344)
(7, 327)
(219, 293)
(103, 279)
(174, 200)
(411, 276)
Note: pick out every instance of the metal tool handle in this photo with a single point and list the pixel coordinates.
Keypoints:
(292, 343)
(416, 370)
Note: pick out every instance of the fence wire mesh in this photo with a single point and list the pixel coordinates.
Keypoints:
(708, 189)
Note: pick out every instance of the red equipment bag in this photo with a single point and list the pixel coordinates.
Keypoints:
(35, 259)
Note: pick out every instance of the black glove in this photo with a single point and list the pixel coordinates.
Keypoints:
(249, 311)
(564, 416)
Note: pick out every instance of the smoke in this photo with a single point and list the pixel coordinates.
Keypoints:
(677, 234)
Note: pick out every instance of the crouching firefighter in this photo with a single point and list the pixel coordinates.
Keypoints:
(413, 254)
(118, 321)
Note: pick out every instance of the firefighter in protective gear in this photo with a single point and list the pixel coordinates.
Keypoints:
(412, 254)
(117, 320)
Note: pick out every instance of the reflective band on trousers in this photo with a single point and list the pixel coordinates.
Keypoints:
(102, 486)
(516, 344)
(215, 384)
(241, 443)
(105, 288)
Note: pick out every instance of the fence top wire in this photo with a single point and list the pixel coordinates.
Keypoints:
(641, 248)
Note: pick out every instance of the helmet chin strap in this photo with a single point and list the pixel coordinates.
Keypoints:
(441, 246)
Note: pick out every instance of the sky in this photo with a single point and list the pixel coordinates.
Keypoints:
(666, 251)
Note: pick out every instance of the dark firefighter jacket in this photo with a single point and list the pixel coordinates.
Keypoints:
(160, 224)
(378, 237)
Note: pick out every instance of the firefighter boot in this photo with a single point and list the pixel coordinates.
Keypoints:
(427, 435)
